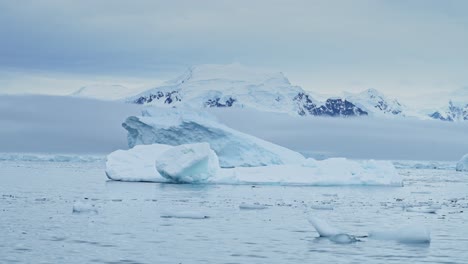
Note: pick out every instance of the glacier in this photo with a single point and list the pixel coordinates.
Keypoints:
(462, 164)
(172, 126)
(196, 163)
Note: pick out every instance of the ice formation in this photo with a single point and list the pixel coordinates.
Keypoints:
(407, 234)
(323, 227)
(196, 163)
(136, 164)
(83, 207)
(189, 163)
(185, 126)
(184, 215)
(462, 165)
(253, 206)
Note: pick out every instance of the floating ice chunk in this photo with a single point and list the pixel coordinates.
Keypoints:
(408, 234)
(254, 206)
(323, 227)
(343, 239)
(185, 126)
(462, 165)
(322, 207)
(136, 164)
(426, 210)
(82, 207)
(189, 163)
(184, 215)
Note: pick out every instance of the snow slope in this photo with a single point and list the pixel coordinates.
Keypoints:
(183, 126)
(374, 102)
(454, 112)
(234, 85)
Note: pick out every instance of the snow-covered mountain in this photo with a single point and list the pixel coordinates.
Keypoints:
(106, 92)
(455, 111)
(234, 85)
(376, 103)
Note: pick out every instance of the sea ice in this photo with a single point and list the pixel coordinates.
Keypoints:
(408, 234)
(254, 206)
(462, 165)
(82, 207)
(184, 215)
(189, 163)
(184, 126)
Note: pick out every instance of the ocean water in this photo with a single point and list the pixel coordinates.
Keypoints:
(117, 222)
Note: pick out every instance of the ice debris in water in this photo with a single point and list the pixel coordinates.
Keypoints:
(427, 210)
(83, 207)
(184, 215)
(254, 206)
(189, 163)
(408, 234)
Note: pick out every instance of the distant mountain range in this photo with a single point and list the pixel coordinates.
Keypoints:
(237, 86)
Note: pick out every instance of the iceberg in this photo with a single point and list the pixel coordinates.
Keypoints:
(184, 126)
(197, 163)
(462, 165)
(136, 164)
(190, 163)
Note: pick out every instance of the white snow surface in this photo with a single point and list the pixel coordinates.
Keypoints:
(176, 126)
(374, 102)
(183, 164)
(249, 87)
(189, 163)
(136, 164)
(462, 165)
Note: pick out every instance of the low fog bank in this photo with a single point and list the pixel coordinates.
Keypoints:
(360, 138)
(57, 124)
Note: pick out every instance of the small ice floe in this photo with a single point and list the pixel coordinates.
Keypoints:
(323, 227)
(426, 210)
(322, 207)
(254, 206)
(184, 215)
(81, 207)
(409, 234)
(333, 234)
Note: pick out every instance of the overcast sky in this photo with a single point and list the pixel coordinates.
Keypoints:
(403, 48)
